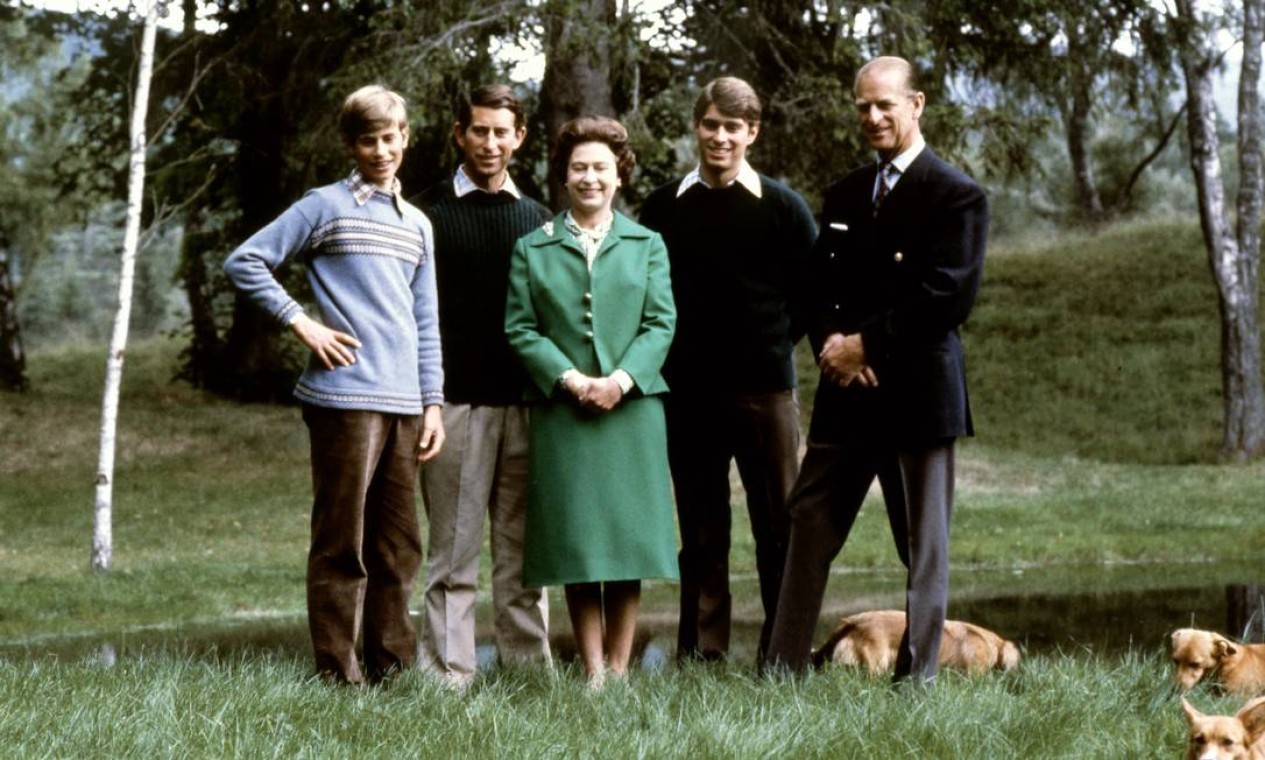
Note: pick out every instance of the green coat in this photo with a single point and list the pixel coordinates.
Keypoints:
(599, 499)
(559, 315)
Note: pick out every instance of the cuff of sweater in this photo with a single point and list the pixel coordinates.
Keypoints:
(289, 313)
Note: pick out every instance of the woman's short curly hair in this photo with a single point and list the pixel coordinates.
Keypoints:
(586, 129)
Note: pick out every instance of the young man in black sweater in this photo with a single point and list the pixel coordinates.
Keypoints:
(738, 243)
(477, 216)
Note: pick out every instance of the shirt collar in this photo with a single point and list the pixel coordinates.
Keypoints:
(363, 190)
(747, 177)
(462, 185)
(902, 162)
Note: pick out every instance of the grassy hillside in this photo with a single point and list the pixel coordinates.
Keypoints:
(210, 499)
(1103, 348)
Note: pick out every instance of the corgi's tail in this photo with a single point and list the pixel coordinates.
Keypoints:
(825, 654)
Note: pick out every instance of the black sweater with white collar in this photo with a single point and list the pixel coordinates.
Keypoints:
(739, 272)
(474, 238)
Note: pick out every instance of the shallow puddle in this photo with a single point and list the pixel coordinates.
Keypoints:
(1104, 610)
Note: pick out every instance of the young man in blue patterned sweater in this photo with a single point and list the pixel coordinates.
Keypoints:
(372, 392)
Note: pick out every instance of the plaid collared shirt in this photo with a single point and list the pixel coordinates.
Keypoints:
(362, 190)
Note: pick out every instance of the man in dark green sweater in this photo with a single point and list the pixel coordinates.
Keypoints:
(738, 242)
(477, 216)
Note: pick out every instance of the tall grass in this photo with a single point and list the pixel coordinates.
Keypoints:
(169, 705)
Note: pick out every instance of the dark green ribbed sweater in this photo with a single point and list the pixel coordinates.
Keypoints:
(739, 269)
(474, 237)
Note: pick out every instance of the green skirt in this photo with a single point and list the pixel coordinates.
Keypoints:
(599, 500)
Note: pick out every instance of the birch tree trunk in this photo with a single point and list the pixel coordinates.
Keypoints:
(1249, 143)
(1234, 259)
(102, 527)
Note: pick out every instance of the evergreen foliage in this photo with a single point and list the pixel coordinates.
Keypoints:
(244, 104)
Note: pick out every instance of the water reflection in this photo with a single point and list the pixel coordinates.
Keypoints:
(652, 653)
(1103, 610)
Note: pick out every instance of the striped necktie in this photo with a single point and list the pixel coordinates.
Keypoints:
(883, 187)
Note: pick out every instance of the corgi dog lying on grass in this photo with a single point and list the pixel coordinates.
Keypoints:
(870, 640)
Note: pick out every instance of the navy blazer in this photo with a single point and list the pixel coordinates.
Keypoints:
(905, 279)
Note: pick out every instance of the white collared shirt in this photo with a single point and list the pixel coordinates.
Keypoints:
(747, 177)
(899, 165)
(462, 185)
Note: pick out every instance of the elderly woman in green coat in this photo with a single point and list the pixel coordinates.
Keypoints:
(590, 314)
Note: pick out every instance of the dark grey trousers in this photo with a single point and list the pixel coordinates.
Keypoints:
(832, 484)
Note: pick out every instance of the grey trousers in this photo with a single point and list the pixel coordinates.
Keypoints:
(832, 485)
(481, 471)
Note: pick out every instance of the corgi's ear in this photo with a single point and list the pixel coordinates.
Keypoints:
(1223, 647)
(1252, 716)
(1192, 714)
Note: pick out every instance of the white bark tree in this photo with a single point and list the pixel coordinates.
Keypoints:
(1233, 250)
(102, 528)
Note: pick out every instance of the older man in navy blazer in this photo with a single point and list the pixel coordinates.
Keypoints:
(900, 257)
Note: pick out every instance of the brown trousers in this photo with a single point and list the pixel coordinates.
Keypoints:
(705, 432)
(366, 544)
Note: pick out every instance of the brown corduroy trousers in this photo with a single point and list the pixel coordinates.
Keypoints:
(366, 543)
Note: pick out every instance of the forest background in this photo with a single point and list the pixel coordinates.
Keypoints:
(1068, 110)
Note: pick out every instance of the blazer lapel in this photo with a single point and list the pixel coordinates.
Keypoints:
(865, 191)
(907, 186)
(559, 236)
(621, 227)
(608, 243)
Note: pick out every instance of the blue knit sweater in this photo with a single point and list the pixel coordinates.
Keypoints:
(371, 269)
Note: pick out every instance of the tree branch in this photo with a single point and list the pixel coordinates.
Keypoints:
(1127, 192)
(199, 73)
(164, 213)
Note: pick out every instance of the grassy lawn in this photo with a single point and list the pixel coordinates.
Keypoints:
(1094, 369)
